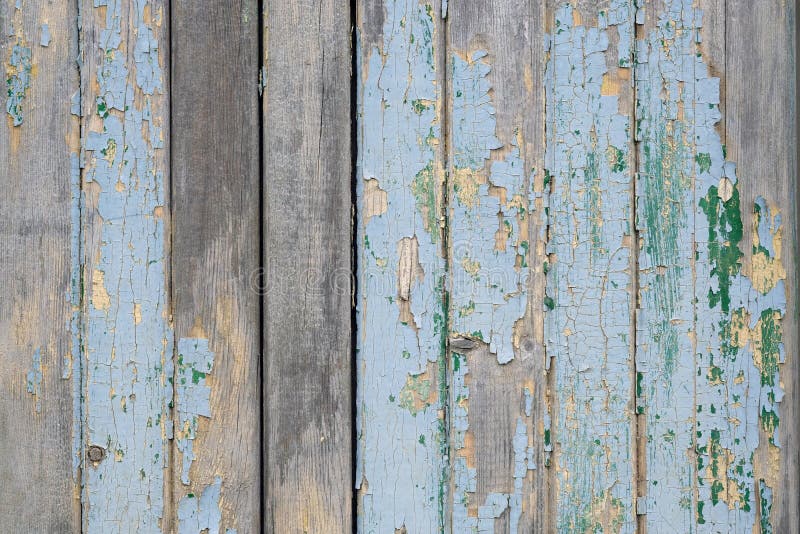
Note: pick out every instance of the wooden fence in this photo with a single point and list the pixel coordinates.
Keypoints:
(399, 266)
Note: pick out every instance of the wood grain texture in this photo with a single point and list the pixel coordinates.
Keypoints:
(307, 257)
(127, 336)
(591, 283)
(498, 479)
(215, 256)
(402, 469)
(38, 156)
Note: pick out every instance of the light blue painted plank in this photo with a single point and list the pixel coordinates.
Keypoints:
(401, 313)
(589, 285)
(127, 336)
(710, 337)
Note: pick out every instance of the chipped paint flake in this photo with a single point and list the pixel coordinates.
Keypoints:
(34, 380)
(589, 277)
(18, 80)
(201, 513)
(195, 361)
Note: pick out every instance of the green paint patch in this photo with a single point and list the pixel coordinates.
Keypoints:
(703, 161)
(724, 236)
(424, 188)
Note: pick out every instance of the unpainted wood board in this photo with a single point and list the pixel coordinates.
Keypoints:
(38, 365)
(307, 259)
(215, 257)
(496, 238)
(402, 448)
(127, 336)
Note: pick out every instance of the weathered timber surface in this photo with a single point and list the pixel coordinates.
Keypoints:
(401, 470)
(127, 336)
(215, 259)
(307, 407)
(496, 255)
(39, 362)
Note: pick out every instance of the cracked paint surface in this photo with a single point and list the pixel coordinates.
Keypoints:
(710, 342)
(589, 278)
(488, 218)
(401, 314)
(18, 80)
(127, 337)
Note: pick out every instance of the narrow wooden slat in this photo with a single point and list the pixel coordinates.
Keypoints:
(496, 258)
(39, 362)
(590, 284)
(307, 255)
(760, 97)
(127, 339)
(215, 254)
(402, 471)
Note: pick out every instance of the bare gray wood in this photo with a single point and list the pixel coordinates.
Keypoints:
(307, 258)
(512, 35)
(215, 242)
(39, 488)
(760, 99)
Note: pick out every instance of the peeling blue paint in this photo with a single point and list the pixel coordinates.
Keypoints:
(401, 314)
(201, 514)
(490, 206)
(127, 337)
(45, 37)
(587, 326)
(18, 80)
(710, 341)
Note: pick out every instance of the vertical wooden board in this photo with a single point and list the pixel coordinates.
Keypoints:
(590, 287)
(713, 285)
(496, 257)
(307, 255)
(127, 339)
(38, 371)
(401, 472)
(761, 105)
(215, 254)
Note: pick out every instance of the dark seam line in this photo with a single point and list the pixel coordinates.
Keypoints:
(354, 69)
(261, 284)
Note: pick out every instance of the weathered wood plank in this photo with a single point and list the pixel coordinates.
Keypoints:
(712, 325)
(127, 339)
(215, 251)
(590, 284)
(401, 312)
(496, 257)
(307, 255)
(760, 97)
(39, 362)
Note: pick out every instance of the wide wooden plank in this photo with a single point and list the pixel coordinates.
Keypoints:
(215, 252)
(307, 255)
(127, 338)
(496, 253)
(402, 470)
(591, 282)
(715, 325)
(761, 102)
(39, 358)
